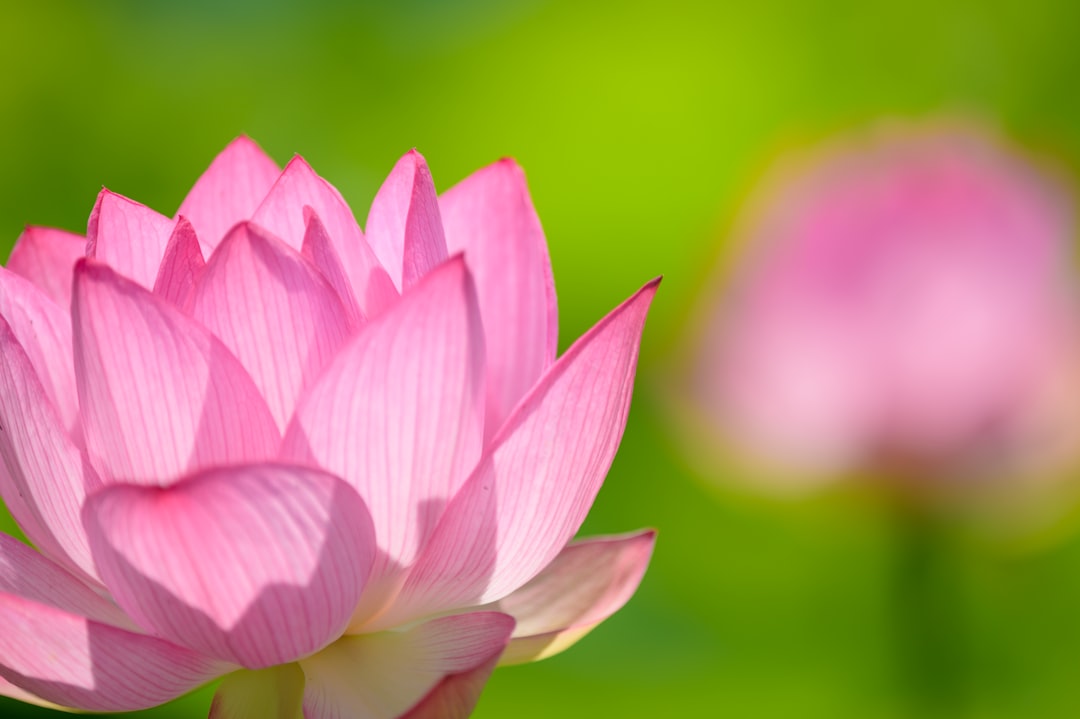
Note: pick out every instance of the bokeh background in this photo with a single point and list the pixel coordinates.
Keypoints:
(642, 126)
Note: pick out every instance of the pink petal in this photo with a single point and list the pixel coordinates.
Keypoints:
(455, 696)
(585, 584)
(274, 311)
(275, 693)
(67, 659)
(385, 675)
(160, 396)
(229, 191)
(182, 268)
(8, 689)
(398, 414)
(47, 258)
(43, 329)
(43, 478)
(319, 251)
(283, 214)
(403, 226)
(129, 237)
(490, 217)
(257, 565)
(533, 489)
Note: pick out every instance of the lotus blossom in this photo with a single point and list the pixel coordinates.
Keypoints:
(905, 305)
(342, 470)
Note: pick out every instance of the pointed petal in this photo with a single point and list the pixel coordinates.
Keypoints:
(319, 251)
(455, 696)
(160, 396)
(588, 582)
(533, 489)
(384, 675)
(43, 329)
(273, 693)
(274, 311)
(403, 226)
(399, 415)
(490, 217)
(229, 191)
(67, 659)
(129, 237)
(182, 268)
(257, 565)
(47, 258)
(43, 478)
(283, 214)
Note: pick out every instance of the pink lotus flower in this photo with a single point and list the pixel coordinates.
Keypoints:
(341, 470)
(905, 305)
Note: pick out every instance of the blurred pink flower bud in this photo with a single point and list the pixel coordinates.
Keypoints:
(905, 306)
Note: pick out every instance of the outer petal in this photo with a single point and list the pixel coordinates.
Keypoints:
(44, 331)
(274, 693)
(43, 479)
(160, 396)
(319, 251)
(532, 491)
(182, 268)
(455, 696)
(229, 191)
(8, 689)
(385, 675)
(47, 258)
(66, 659)
(399, 413)
(274, 311)
(283, 214)
(129, 237)
(256, 565)
(403, 226)
(490, 217)
(588, 582)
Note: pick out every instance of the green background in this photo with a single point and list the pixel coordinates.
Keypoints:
(642, 126)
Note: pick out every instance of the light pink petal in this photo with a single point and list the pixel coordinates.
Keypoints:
(47, 258)
(43, 478)
(182, 269)
(160, 396)
(455, 696)
(585, 584)
(490, 217)
(283, 214)
(8, 689)
(129, 237)
(274, 311)
(399, 414)
(273, 693)
(43, 329)
(229, 191)
(403, 226)
(258, 565)
(319, 251)
(533, 489)
(67, 659)
(385, 675)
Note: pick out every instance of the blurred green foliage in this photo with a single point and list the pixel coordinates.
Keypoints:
(641, 126)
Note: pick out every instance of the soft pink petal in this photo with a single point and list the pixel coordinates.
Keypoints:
(533, 489)
(274, 311)
(490, 217)
(129, 237)
(229, 191)
(455, 696)
(319, 251)
(43, 329)
(257, 565)
(283, 214)
(385, 675)
(403, 226)
(43, 478)
(182, 269)
(47, 258)
(399, 414)
(585, 584)
(160, 396)
(67, 659)
(8, 689)
(273, 693)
